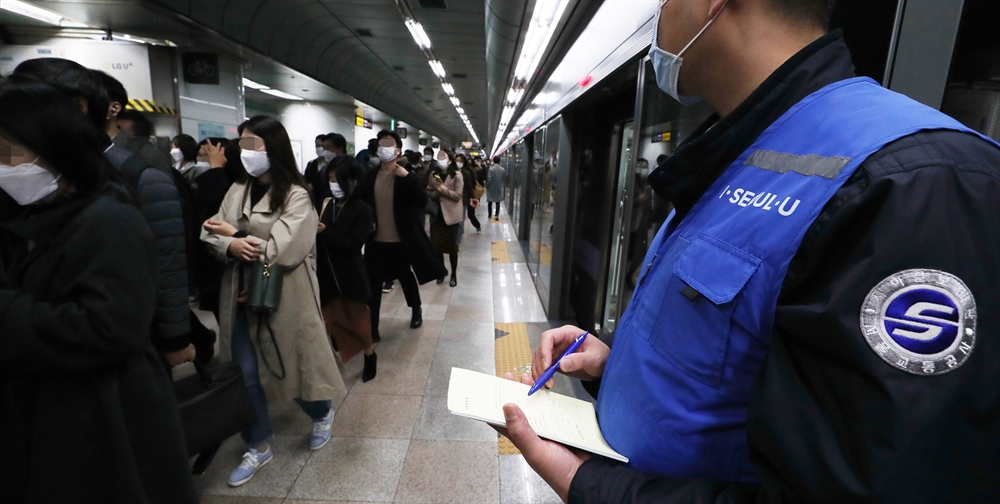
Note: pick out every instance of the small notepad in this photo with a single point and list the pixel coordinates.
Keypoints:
(563, 419)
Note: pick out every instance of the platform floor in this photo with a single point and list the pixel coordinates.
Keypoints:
(393, 438)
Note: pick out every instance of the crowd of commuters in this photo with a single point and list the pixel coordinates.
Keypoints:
(108, 245)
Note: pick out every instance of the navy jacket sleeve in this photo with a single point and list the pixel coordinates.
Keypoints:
(829, 420)
(161, 206)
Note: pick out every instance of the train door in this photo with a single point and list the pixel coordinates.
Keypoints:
(599, 122)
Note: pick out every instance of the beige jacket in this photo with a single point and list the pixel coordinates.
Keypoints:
(450, 195)
(311, 371)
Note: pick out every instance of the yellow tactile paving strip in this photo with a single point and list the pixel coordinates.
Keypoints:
(513, 354)
(545, 255)
(500, 253)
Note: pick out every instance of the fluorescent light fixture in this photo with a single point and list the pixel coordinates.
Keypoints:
(448, 88)
(281, 94)
(28, 10)
(418, 33)
(253, 85)
(543, 23)
(455, 101)
(438, 68)
(460, 110)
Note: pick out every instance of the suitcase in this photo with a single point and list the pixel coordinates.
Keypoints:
(213, 406)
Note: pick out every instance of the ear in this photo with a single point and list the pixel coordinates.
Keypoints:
(82, 104)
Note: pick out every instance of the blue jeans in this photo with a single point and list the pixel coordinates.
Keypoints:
(245, 356)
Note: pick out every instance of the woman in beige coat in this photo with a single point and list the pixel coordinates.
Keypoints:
(444, 226)
(270, 218)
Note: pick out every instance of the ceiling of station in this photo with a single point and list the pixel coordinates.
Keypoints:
(360, 48)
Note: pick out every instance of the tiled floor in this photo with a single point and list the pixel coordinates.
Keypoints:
(393, 438)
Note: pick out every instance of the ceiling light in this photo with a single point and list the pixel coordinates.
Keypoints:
(45, 16)
(448, 88)
(460, 110)
(253, 85)
(543, 23)
(281, 94)
(418, 33)
(438, 68)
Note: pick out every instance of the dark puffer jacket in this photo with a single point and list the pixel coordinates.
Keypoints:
(160, 205)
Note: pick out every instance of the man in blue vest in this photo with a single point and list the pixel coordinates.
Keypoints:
(818, 319)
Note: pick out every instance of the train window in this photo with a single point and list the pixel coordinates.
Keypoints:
(867, 27)
(973, 92)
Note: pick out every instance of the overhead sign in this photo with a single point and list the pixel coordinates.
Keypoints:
(127, 62)
(201, 68)
(362, 122)
(401, 132)
(662, 137)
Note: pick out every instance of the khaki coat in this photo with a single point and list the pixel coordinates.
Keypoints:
(311, 370)
(450, 197)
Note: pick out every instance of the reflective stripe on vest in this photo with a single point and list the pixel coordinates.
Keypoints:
(688, 348)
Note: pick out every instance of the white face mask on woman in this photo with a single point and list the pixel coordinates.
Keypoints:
(177, 155)
(459, 164)
(338, 193)
(27, 182)
(255, 162)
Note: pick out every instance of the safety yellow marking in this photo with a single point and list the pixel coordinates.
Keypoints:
(148, 106)
(500, 253)
(545, 255)
(513, 354)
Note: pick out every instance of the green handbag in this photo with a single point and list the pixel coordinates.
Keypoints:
(264, 297)
(264, 290)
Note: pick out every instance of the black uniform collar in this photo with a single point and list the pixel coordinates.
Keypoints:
(702, 158)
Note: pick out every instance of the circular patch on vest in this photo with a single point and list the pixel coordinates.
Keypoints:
(921, 321)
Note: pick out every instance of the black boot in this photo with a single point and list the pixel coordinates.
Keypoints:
(418, 318)
(371, 362)
(453, 282)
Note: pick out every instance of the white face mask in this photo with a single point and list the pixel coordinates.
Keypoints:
(319, 151)
(336, 190)
(667, 66)
(27, 182)
(328, 155)
(255, 162)
(459, 164)
(176, 154)
(386, 154)
(428, 158)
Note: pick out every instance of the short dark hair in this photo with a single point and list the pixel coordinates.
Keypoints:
(143, 127)
(116, 91)
(74, 81)
(814, 11)
(321, 137)
(389, 133)
(188, 146)
(337, 140)
(43, 119)
(428, 150)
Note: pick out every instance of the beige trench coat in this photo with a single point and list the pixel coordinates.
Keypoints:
(311, 371)
(450, 196)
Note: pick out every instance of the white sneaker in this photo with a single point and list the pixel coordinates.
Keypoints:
(252, 461)
(321, 432)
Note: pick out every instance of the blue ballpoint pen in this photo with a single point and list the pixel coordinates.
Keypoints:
(551, 371)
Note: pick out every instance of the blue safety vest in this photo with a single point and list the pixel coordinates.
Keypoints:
(689, 347)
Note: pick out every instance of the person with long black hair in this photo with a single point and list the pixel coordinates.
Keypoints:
(88, 410)
(345, 224)
(270, 217)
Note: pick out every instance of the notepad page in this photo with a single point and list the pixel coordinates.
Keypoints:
(553, 416)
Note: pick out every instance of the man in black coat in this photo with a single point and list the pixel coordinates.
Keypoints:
(399, 242)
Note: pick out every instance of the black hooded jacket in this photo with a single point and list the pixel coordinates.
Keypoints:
(829, 420)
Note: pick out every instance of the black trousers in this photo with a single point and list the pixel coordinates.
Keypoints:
(387, 261)
(471, 210)
(489, 209)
